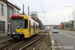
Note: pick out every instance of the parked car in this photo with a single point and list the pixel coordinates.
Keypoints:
(55, 31)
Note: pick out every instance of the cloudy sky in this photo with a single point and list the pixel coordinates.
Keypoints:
(52, 8)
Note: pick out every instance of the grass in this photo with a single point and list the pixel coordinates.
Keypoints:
(48, 42)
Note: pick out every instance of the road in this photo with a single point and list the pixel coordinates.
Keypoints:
(64, 40)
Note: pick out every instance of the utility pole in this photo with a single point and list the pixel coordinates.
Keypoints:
(70, 20)
(23, 10)
(28, 10)
(73, 14)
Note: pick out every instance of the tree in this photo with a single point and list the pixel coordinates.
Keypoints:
(39, 21)
(62, 25)
(40, 24)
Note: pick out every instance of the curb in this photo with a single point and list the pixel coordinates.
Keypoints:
(52, 41)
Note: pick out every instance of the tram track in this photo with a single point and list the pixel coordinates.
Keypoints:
(33, 43)
(8, 45)
(25, 42)
(15, 45)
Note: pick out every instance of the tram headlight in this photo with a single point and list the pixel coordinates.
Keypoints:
(21, 33)
(13, 33)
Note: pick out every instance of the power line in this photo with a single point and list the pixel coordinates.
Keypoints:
(21, 1)
(22, 4)
(42, 7)
(41, 4)
(30, 4)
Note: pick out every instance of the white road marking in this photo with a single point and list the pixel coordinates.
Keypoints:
(68, 35)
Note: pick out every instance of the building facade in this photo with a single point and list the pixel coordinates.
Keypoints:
(7, 9)
(3, 17)
(72, 24)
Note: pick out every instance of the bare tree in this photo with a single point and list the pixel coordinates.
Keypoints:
(39, 21)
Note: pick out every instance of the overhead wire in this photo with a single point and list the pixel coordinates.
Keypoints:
(30, 4)
(23, 3)
(41, 4)
(14, 3)
(42, 7)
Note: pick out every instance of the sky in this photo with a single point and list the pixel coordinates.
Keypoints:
(55, 10)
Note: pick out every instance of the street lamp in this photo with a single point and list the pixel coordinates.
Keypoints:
(64, 19)
(74, 13)
(70, 7)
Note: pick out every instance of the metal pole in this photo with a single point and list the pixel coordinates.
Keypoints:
(23, 9)
(74, 18)
(64, 19)
(69, 20)
(74, 14)
(28, 10)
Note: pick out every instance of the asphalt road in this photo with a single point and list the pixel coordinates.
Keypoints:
(64, 40)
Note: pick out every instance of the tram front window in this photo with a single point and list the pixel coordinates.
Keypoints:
(18, 24)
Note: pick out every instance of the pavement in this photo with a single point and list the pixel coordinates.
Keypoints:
(64, 40)
(3, 35)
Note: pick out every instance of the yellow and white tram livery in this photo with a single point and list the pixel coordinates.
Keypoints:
(23, 26)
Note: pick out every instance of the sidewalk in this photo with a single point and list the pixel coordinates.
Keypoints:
(3, 35)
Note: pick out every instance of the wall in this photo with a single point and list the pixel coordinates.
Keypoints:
(16, 11)
(4, 17)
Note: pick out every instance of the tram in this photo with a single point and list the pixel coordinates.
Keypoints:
(23, 26)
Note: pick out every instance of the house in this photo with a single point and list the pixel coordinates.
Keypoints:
(6, 10)
(3, 16)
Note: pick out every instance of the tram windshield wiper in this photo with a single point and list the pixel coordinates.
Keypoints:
(19, 26)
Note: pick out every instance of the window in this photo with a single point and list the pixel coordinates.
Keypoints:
(34, 26)
(14, 12)
(10, 12)
(2, 26)
(17, 12)
(38, 26)
(26, 24)
(2, 9)
(31, 24)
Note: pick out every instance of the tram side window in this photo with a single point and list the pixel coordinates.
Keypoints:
(29, 25)
(26, 24)
(36, 27)
(33, 25)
